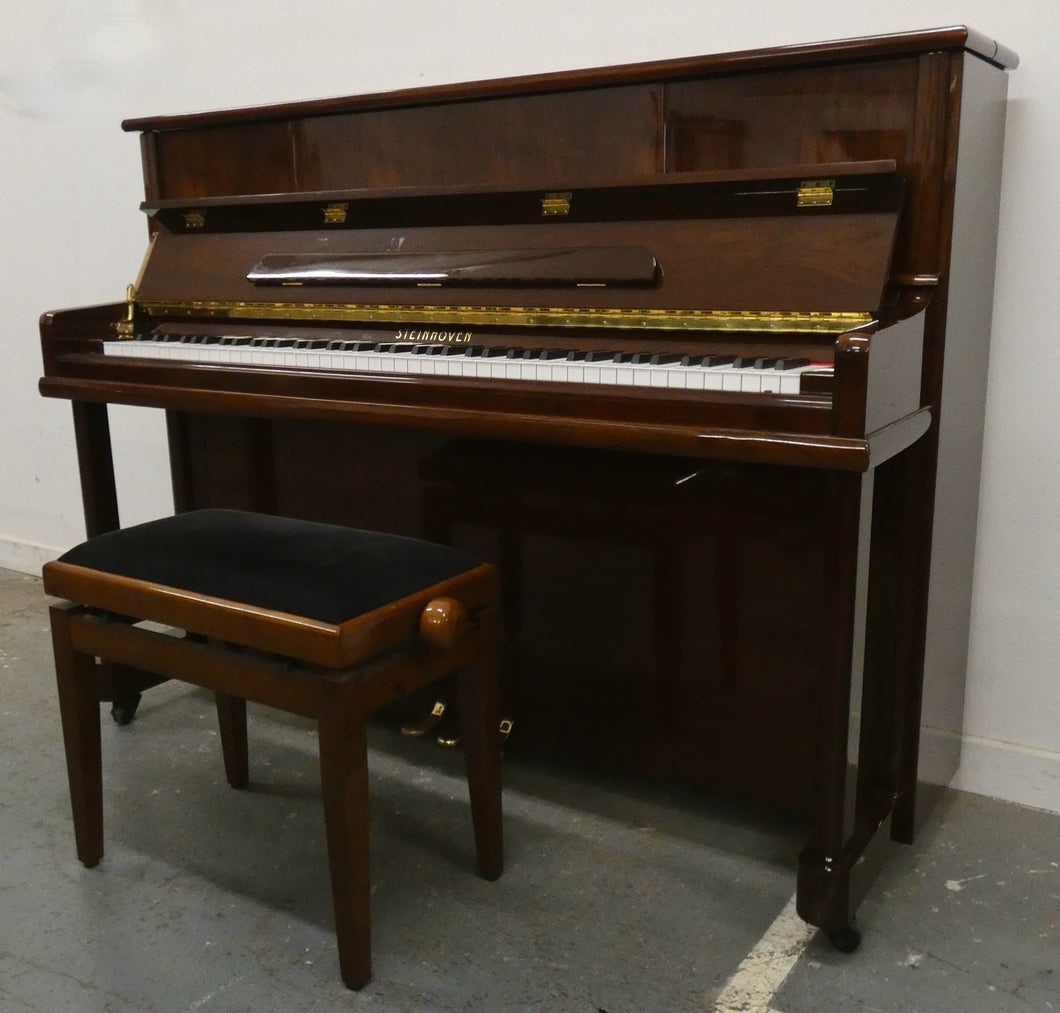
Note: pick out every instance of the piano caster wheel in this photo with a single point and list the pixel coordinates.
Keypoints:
(846, 939)
(123, 709)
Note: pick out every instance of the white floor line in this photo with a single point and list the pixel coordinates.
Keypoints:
(763, 970)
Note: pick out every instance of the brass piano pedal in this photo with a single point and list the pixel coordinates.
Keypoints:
(452, 736)
(416, 729)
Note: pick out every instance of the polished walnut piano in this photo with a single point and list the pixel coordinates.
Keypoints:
(695, 349)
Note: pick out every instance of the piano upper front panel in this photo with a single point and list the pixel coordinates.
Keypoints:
(202, 163)
(492, 141)
(614, 131)
(844, 111)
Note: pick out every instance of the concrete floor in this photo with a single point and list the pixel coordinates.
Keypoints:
(617, 898)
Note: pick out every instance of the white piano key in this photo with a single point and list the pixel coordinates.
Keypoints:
(750, 381)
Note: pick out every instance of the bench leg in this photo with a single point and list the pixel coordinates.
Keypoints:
(77, 679)
(344, 786)
(480, 720)
(232, 725)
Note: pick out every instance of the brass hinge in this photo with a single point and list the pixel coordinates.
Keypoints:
(555, 204)
(335, 214)
(815, 193)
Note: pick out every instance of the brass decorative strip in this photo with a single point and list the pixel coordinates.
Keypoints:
(518, 316)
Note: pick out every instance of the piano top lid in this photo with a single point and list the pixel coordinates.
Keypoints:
(701, 251)
(957, 37)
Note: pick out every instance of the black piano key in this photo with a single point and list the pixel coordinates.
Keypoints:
(791, 363)
(599, 356)
(665, 358)
(713, 361)
(475, 351)
(765, 363)
(455, 350)
(515, 353)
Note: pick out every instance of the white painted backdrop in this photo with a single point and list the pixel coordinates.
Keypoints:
(70, 234)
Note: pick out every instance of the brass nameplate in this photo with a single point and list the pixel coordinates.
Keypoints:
(422, 335)
(194, 219)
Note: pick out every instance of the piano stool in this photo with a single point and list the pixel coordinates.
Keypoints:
(319, 620)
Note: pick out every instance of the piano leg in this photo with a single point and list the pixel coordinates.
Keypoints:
(846, 811)
(96, 464)
(120, 685)
(913, 485)
(180, 460)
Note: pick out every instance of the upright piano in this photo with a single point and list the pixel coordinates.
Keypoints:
(695, 349)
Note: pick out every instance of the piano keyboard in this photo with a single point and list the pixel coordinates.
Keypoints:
(664, 370)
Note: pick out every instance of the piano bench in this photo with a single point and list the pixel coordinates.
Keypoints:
(318, 620)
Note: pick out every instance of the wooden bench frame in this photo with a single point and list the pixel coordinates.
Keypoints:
(336, 675)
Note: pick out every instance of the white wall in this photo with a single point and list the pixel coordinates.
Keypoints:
(71, 235)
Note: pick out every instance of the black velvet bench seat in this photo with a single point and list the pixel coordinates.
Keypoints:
(315, 619)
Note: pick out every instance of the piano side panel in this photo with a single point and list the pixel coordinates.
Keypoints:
(950, 520)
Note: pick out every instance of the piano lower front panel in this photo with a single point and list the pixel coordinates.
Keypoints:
(666, 615)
